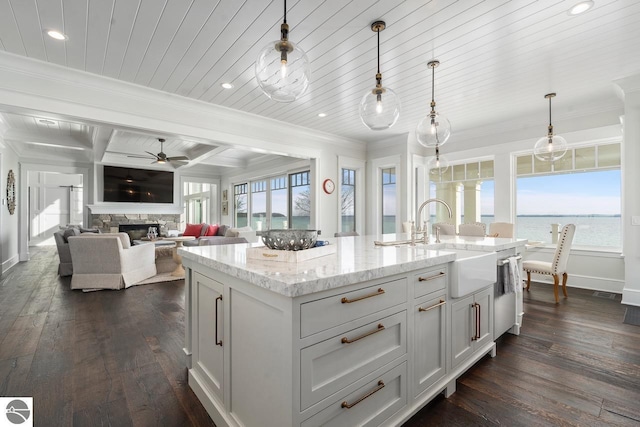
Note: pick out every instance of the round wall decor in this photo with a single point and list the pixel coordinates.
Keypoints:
(11, 192)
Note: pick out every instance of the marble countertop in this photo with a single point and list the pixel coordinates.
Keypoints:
(356, 260)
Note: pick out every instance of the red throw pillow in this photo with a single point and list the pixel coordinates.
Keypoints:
(212, 230)
(192, 230)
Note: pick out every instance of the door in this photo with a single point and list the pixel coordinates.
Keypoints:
(484, 301)
(429, 350)
(462, 329)
(208, 353)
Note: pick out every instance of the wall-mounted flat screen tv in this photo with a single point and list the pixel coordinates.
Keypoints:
(137, 185)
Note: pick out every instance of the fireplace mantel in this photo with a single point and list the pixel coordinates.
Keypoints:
(134, 208)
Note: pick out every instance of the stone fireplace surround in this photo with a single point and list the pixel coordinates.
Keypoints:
(109, 223)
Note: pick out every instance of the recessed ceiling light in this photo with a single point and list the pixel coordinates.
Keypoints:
(227, 85)
(47, 122)
(581, 7)
(57, 35)
(322, 115)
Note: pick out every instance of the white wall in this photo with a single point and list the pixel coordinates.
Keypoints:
(630, 92)
(9, 223)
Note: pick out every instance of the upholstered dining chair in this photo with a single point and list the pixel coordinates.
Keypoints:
(556, 267)
(445, 228)
(501, 229)
(472, 229)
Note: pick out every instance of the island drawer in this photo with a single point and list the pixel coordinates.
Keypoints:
(325, 313)
(368, 405)
(430, 280)
(333, 364)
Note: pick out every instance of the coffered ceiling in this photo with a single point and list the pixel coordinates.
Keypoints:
(498, 58)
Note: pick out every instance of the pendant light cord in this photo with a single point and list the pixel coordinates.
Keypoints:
(433, 80)
(550, 111)
(285, 11)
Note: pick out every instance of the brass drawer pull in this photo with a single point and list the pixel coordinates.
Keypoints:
(346, 340)
(375, 390)
(218, 342)
(442, 302)
(426, 279)
(346, 300)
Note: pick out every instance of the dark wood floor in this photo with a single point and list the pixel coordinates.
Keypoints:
(115, 358)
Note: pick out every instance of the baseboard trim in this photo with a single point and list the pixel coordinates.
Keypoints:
(631, 297)
(585, 282)
(10, 263)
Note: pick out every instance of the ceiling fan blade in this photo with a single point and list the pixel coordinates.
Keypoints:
(178, 158)
(154, 156)
(135, 156)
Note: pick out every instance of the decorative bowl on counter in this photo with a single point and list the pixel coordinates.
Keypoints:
(289, 240)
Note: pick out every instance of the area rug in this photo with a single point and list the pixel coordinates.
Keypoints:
(632, 316)
(159, 278)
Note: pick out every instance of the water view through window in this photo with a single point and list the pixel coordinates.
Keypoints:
(590, 200)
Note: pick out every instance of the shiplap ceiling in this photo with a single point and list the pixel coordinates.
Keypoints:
(498, 57)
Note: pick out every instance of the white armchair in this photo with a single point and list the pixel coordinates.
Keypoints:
(108, 261)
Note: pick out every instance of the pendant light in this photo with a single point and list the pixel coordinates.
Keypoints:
(434, 129)
(438, 164)
(282, 68)
(551, 147)
(380, 107)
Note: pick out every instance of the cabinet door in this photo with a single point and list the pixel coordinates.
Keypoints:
(462, 329)
(208, 354)
(429, 350)
(484, 301)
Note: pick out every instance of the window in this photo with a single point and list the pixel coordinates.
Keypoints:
(279, 203)
(258, 204)
(468, 188)
(388, 200)
(348, 200)
(197, 202)
(300, 196)
(274, 203)
(582, 188)
(240, 204)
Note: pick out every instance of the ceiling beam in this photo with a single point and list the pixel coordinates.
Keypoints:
(23, 136)
(101, 137)
(213, 151)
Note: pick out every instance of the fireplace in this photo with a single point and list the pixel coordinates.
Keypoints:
(137, 231)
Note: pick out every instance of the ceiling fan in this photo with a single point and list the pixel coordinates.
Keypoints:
(161, 157)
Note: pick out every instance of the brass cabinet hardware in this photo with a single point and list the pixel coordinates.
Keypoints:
(270, 255)
(475, 321)
(476, 314)
(426, 279)
(442, 302)
(218, 342)
(346, 340)
(346, 300)
(375, 390)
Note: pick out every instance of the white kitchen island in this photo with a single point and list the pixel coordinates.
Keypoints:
(365, 336)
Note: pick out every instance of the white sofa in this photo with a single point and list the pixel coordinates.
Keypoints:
(108, 261)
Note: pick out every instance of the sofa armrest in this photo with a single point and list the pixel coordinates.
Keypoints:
(136, 256)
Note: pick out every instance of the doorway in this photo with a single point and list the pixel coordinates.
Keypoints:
(55, 200)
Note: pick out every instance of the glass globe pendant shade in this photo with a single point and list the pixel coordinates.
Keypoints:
(433, 130)
(550, 148)
(438, 165)
(283, 71)
(380, 108)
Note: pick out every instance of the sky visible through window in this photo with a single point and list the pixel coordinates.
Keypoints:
(586, 193)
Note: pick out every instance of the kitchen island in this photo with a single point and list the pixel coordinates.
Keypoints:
(365, 336)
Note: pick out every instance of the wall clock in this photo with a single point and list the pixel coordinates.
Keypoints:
(11, 192)
(328, 186)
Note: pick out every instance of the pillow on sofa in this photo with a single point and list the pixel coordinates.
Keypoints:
(192, 230)
(70, 232)
(211, 230)
(90, 230)
(231, 233)
(222, 230)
